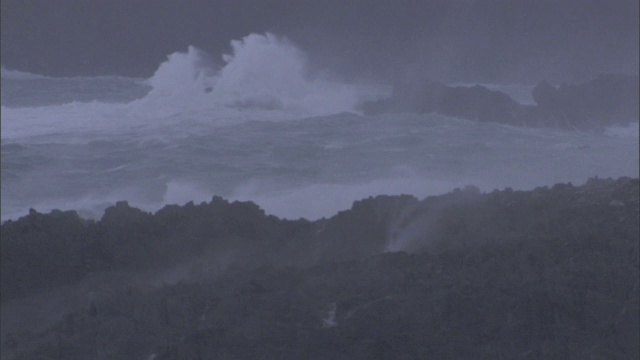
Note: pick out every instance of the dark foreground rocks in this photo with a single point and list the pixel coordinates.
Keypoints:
(610, 99)
(551, 273)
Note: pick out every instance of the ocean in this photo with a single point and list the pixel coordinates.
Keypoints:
(257, 125)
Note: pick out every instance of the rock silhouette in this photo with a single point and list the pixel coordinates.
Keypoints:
(550, 273)
(607, 100)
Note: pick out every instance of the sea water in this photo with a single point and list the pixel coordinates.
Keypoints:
(257, 125)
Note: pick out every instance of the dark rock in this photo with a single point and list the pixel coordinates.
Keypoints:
(606, 100)
(481, 104)
(552, 273)
(473, 103)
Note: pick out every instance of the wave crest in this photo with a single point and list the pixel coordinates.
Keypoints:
(8, 74)
(262, 72)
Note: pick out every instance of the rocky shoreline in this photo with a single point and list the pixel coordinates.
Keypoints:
(550, 273)
(607, 100)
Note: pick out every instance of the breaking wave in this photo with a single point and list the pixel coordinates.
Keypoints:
(263, 72)
(18, 75)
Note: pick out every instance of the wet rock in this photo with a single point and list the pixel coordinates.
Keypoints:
(489, 276)
(610, 99)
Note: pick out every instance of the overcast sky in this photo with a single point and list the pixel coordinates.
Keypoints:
(508, 40)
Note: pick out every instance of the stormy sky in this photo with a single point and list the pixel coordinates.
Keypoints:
(449, 40)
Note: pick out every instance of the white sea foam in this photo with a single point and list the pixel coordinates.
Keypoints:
(19, 75)
(265, 78)
(323, 200)
(263, 72)
(246, 129)
(630, 131)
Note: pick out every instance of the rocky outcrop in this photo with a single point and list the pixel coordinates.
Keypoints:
(473, 103)
(607, 100)
(547, 273)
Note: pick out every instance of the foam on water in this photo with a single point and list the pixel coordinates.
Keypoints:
(630, 131)
(264, 78)
(8, 74)
(323, 200)
(309, 168)
(249, 128)
(262, 72)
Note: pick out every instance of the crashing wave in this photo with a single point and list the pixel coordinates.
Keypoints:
(262, 72)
